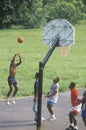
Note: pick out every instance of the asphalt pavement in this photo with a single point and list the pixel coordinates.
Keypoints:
(20, 116)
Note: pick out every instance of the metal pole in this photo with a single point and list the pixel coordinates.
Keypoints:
(41, 67)
(56, 44)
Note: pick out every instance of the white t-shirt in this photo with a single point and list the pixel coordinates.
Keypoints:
(54, 98)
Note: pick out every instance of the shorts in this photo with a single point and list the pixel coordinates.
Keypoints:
(12, 81)
(83, 114)
(76, 109)
(50, 103)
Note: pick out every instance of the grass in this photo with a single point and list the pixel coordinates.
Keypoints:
(70, 68)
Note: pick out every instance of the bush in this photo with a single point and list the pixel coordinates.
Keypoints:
(66, 11)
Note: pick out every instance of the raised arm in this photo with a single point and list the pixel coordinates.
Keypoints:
(13, 59)
(20, 61)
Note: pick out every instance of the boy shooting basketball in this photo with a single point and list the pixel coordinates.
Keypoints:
(11, 78)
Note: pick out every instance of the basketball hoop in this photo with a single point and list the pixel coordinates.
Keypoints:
(62, 29)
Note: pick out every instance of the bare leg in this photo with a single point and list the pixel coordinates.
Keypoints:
(8, 94)
(72, 118)
(50, 109)
(10, 91)
(15, 91)
(73, 121)
(84, 120)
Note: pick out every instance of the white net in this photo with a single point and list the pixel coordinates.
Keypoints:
(64, 51)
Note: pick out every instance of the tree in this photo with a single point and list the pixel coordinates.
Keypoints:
(84, 2)
(65, 10)
(35, 13)
(5, 13)
(28, 13)
(34, 19)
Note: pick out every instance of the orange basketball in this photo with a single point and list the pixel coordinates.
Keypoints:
(20, 39)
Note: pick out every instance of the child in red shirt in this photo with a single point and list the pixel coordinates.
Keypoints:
(76, 107)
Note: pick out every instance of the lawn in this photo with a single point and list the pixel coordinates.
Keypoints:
(32, 50)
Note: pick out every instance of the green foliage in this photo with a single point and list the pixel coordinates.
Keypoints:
(66, 11)
(84, 2)
(35, 19)
(28, 13)
(5, 13)
(35, 13)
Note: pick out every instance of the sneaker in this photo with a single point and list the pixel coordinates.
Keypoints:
(70, 128)
(8, 102)
(42, 118)
(33, 123)
(75, 128)
(13, 101)
(52, 118)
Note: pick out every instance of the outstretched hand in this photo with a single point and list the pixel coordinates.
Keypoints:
(18, 53)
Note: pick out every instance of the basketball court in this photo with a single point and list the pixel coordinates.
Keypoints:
(20, 116)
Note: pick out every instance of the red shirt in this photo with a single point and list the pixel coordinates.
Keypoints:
(74, 97)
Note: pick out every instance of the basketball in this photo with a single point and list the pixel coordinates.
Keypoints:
(20, 39)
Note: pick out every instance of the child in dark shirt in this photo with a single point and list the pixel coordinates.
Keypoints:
(84, 108)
